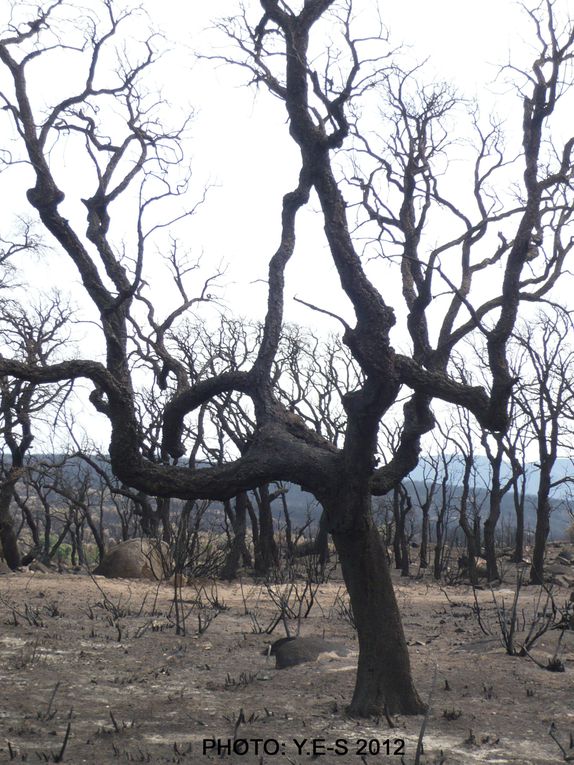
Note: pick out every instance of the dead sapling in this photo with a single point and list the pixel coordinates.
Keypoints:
(118, 627)
(58, 756)
(292, 603)
(120, 727)
(566, 750)
(50, 712)
(208, 605)
(28, 656)
(343, 610)
(517, 630)
(205, 619)
(31, 614)
(420, 741)
(118, 610)
(244, 679)
(555, 663)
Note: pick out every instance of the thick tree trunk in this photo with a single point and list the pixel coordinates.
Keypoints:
(8, 538)
(384, 680)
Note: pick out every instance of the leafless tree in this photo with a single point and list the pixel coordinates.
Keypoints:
(545, 396)
(444, 506)
(425, 495)
(34, 336)
(515, 444)
(461, 440)
(48, 522)
(319, 91)
(498, 488)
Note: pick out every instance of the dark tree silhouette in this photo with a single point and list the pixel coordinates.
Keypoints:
(34, 335)
(398, 187)
(546, 399)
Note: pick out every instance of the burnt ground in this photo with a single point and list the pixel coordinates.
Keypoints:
(102, 658)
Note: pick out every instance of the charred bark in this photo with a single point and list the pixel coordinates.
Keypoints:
(384, 680)
(267, 557)
(543, 510)
(238, 547)
(8, 537)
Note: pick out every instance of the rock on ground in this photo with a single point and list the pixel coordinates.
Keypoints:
(136, 559)
(289, 652)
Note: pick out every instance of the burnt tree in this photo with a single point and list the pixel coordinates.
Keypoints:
(397, 191)
(545, 397)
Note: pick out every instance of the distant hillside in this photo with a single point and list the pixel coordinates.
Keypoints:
(564, 468)
(560, 519)
(302, 505)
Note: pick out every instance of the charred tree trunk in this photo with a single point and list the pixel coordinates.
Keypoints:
(238, 548)
(402, 506)
(490, 534)
(437, 559)
(149, 520)
(441, 518)
(254, 530)
(405, 508)
(519, 500)
(471, 531)
(398, 536)
(8, 538)
(384, 680)
(47, 536)
(543, 510)
(30, 521)
(425, 523)
(321, 548)
(497, 491)
(97, 533)
(288, 527)
(163, 505)
(59, 541)
(268, 557)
